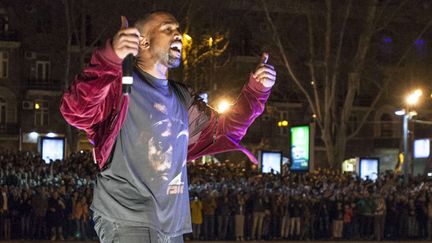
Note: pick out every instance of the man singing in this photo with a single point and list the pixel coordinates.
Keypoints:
(142, 140)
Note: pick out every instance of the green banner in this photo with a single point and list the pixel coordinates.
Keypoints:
(300, 147)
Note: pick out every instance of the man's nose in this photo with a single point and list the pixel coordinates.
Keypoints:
(177, 36)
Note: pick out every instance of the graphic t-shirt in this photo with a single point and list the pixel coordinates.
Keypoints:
(146, 182)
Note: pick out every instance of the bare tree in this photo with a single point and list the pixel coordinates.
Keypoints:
(78, 45)
(339, 36)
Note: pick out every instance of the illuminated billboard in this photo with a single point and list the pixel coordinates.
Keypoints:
(421, 148)
(300, 148)
(270, 162)
(369, 168)
(52, 148)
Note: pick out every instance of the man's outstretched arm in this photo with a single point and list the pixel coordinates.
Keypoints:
(224, 130)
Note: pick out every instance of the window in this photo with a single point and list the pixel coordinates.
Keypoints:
(4, 23)
(41, 113)
(4, 64)
(43, 70)
(421, 48)
(386, 44)
(2, 111)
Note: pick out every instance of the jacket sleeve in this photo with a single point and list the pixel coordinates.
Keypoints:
(94, 92)
(223, 132)
(249, 105)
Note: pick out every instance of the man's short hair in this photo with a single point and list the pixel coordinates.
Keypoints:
(142, 21)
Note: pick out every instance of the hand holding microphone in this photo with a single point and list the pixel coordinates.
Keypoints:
(125, 45)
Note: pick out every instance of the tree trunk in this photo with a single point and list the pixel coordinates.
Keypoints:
(72, 134)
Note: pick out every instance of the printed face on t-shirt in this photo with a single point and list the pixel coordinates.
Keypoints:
(160, 148)
(160, 145)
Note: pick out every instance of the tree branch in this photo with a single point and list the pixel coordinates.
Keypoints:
(311, 63)
(287, 65)
(327, 41)
(387, 81)
(338, 53)
(391, 16)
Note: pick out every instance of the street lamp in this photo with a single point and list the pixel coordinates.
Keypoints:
(411, 100)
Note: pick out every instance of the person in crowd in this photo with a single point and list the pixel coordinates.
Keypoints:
(258, 216)
(347, 221)
(285, 226)
(76, 174)
(197, 218)
(239, 213)
(209, 209)
(249, 219)
(380, 212)
(39, 203)
(81, 216)
(337, 219)
(323, 219)
(5, 218)
(391, 217)
(266, 232)
(306, 218)
(429, 218)
(277, 206)
(421, 216)
(412, 224)
(402, 217)
(55, 215)
(14, 206)
(295, 216)
(25, 212)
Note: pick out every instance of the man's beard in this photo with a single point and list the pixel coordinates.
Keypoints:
(173, 62)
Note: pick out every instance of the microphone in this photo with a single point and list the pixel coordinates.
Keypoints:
(127, 79)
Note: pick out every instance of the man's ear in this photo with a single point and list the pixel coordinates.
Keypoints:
(144, 42)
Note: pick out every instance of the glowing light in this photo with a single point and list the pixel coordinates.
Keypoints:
(187, 46)
(37, 106)
(210, 42)
(51, 135)
(187, 37)
(388, 39)
(223, 106)
(34, 135)
(283, 123)
(81, 151)
(420, 42)
(414, 97)
(400, 112)
(314, 116)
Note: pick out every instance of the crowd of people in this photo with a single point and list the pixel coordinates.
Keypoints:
(228, 202)
(46, 200)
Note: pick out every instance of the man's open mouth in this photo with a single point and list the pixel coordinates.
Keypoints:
(176, 47)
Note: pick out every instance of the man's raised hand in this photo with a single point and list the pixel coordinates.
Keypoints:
(265, 73)
(126, 40)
